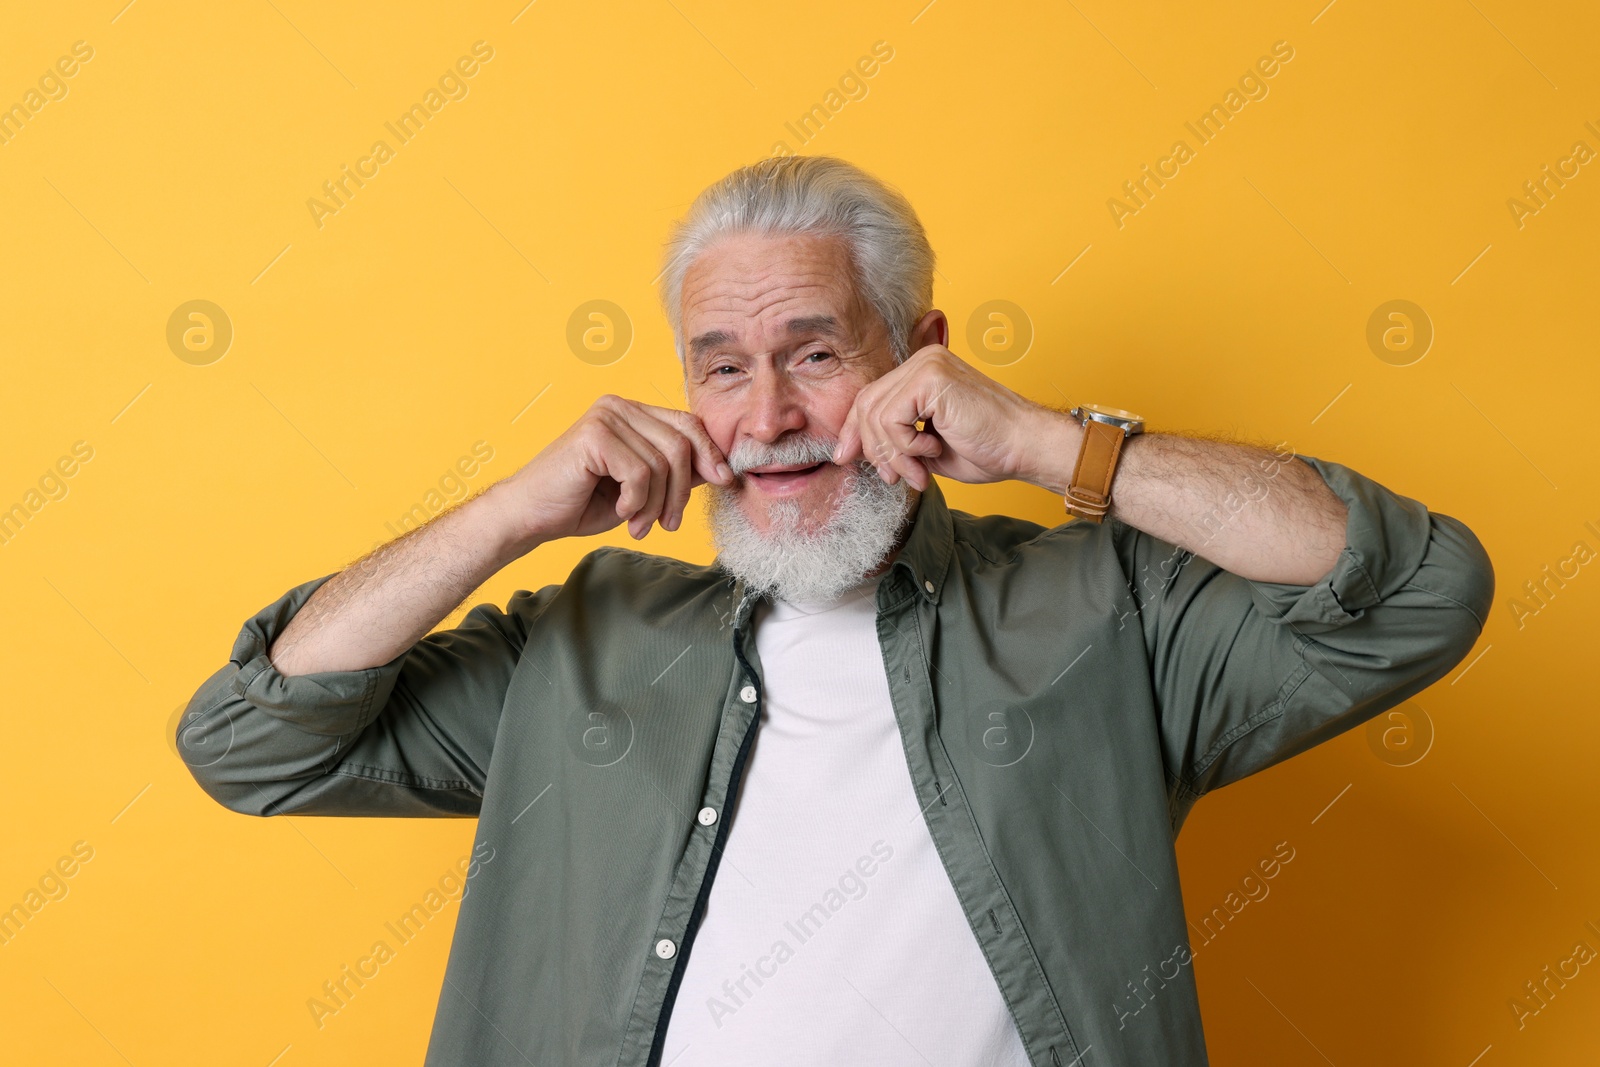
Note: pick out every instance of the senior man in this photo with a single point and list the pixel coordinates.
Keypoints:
(888, 782)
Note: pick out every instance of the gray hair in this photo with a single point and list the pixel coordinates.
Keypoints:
(822, 196)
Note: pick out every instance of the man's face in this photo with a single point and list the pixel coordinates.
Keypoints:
(777, 344)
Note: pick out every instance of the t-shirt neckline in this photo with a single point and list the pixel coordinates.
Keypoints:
(864, 590)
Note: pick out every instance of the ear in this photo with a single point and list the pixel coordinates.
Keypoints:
(932, 329)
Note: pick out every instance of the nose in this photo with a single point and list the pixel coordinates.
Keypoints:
(776, 406)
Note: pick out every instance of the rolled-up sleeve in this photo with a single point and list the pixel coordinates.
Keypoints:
(411, 737)
(1250, 673)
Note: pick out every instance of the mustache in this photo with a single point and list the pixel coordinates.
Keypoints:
(797, 449)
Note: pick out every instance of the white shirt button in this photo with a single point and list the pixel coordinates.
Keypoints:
(748, 694)
(707, 816)
(665, 949)
(928, 586)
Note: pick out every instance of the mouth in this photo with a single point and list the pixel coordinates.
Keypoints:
(784, 478)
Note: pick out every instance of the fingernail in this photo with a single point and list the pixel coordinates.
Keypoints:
(725, 471)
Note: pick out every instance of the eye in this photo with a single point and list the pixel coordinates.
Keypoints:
(820, 352)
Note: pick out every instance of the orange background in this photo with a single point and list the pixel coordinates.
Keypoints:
(431, 311)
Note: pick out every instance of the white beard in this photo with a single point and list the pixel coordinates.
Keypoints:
(790, 563)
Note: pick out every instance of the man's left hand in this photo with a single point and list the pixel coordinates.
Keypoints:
(974, 429)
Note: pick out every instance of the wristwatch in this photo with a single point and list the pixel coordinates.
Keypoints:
(1104, 430)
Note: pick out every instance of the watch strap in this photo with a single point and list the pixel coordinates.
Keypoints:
(1088, 494)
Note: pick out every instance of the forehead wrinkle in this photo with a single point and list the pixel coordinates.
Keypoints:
(739, 293)
(770, 311)
(751, 291)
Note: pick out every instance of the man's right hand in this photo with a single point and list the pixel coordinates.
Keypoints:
(621, 461)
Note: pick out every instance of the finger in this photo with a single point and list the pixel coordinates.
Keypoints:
(915, 400)
(913, 470)
(865, 443)
(914, 466)
(849, 446)
(710, 465)
(897, 420)
(910, 446)
(650, 487)
(856, 441)
(614, 459)
(896, 416)
(900, 465)
(885, 459)
(660, 473)
(678, 449)
(876, 446)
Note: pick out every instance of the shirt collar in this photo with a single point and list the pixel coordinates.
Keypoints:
(925, 557)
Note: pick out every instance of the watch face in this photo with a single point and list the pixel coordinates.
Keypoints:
(1101, 413)
(1115, 413)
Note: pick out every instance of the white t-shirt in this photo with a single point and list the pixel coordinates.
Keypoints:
(832, 933)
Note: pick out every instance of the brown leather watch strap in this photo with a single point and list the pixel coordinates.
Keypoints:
(1089, 492)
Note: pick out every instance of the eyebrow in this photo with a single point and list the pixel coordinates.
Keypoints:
(801, 324)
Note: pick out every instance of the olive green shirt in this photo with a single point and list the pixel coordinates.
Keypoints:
(1064, 696)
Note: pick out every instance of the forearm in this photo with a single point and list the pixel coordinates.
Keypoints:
(1260, 514)
(381, 605)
